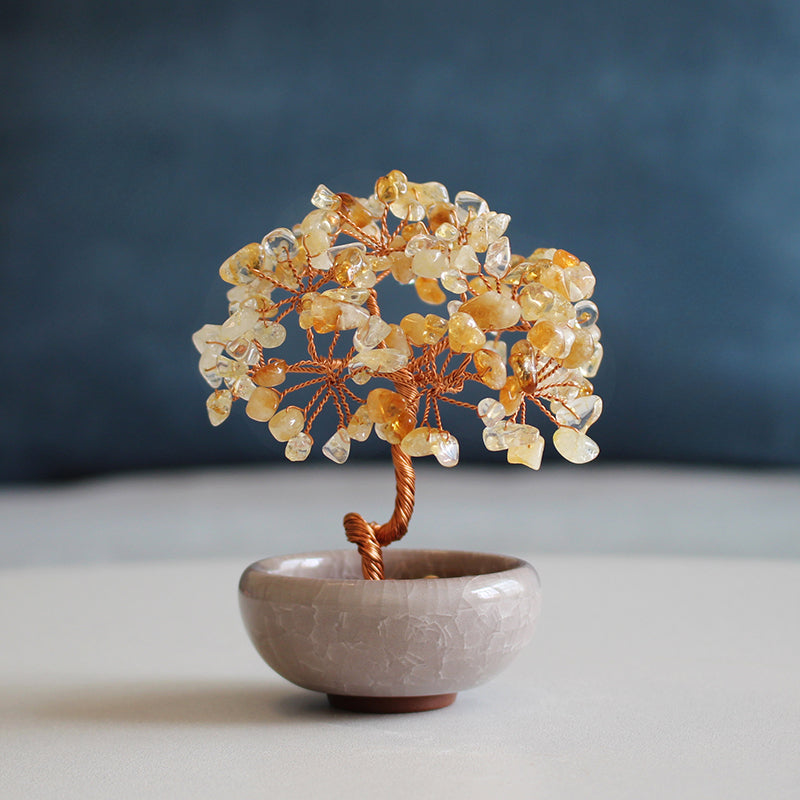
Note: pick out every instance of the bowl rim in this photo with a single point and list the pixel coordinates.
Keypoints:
(512, 563)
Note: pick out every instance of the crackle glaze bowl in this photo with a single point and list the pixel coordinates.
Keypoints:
(407, 643)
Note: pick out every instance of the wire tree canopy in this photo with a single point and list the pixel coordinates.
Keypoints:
(523, 327)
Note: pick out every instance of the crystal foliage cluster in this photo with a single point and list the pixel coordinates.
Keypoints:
(523, 327)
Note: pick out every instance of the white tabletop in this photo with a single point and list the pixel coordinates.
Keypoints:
(649, 677)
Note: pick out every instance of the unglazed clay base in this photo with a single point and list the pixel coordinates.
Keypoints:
(371, 644)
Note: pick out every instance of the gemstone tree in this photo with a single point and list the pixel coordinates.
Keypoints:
(326, 272)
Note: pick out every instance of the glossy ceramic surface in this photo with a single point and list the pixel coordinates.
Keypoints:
(317, 623)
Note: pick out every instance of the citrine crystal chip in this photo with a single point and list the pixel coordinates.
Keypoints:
(218, 406)
(575, 446)
(360, 425)
(429, 291)
(464, 334)
(417, 443)
(262, 404)
(490, 368)
(384, 405)
(493, 311)
(273, 373)
(241, 266)
(287, 423)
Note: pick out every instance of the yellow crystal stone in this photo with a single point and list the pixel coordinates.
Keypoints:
(464, 334)
(553, 278)
(382, 359)
(421, 330)
(563, 259)
(350, 268)
(298, 447)
(522, 360)
(315, 243)
(319, 312)
(287, 423)
(400, 266)
(551, 339)
(243, 349)
(454, 281)
(320, 219)
(397, 340)
(579, 282)
(490, 368)
(529, 454)
(417, 443)
(389, 188)
(360, 425)
(431, 193)
(575, 446)
(273, 373)
(356, 297)
(262, 404)
(218, 406)
(429, 291)
(384, 405)
(581, 350)
(337, 448)
(429, 262)
(493, 311)
(240, 267)
(447, 232)
(511, 395)
(536, 301)
(243, 387)
(395, 431)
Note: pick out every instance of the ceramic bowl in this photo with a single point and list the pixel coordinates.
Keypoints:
(410, 642)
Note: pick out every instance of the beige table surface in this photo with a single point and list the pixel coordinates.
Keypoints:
(649, 677)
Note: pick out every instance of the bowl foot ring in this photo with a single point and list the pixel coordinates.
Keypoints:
(391, 705)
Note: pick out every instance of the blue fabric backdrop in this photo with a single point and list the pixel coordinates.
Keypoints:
(142, 143)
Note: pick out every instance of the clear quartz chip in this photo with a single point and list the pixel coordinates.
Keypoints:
(280, 244)
(498, 257)
(444, 447)
(323, 197)
(337, 448)
(371, 333)
(269, 334)
(490, 411)
(469, 202)
(298, 447)
(579, 413)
